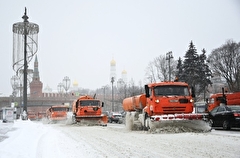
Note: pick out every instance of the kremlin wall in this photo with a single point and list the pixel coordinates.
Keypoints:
(40, 99)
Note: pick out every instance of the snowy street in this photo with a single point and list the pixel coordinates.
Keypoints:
(27, 139)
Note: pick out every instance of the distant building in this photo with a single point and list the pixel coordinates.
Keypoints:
(36, 85)
(218, 83)
(123, 80)
(47, 89)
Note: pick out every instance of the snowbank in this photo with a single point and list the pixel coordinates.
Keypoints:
(27, 139)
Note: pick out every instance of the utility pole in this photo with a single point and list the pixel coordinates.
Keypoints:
(169, 57)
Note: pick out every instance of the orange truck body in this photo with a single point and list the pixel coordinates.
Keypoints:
(162, 99)
(41, 115)
(89, 109)
(216, 99)
(32, 115)
(57, 112)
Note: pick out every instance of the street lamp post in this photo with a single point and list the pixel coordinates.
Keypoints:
(20, 96)
(104, 97)
(60, 88)
(169, 57)
(15, 84)
(25, 32)
(66, 84)
(112, 81)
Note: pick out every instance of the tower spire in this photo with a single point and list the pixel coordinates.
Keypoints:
(36, 85)
(36, 76)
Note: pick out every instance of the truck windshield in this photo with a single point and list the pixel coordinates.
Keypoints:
(59, 109)
(89, 103)
(171, 90)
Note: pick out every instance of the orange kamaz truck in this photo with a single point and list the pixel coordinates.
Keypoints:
(225, 98)
(167, 103)
(57, 113)
(88, 110)
(32, 115)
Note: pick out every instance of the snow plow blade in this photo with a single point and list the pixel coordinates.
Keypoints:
(171, 123)
(177, 126)
(92, 120)
(180, 123)
(55, 120)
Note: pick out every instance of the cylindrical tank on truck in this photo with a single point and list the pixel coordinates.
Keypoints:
(225, 98)
(164, 103)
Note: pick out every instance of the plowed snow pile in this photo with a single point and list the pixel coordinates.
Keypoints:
(196, 126)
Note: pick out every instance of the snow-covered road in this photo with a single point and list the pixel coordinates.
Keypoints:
(60, 141)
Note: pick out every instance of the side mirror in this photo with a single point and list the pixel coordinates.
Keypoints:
(207, 100)
(193, 92)
(147, 91)
(102, 104)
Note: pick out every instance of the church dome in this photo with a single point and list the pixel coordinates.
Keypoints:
(124, 72)
(47, 89)
(113, 62)
(75, 83)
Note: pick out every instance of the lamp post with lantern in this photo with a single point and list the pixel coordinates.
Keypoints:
(112, 81)
(25, 45)
(66, 84)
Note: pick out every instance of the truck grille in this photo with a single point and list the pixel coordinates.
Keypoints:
(88, 113)
(59, 115)
(173, 109)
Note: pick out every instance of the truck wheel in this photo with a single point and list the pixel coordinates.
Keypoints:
(145, 122)
(210, 122)
(73, 119)
(226, 125)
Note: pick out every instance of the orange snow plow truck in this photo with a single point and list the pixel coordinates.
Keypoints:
(225, 98)
(164, 104)
(88, 110)
(57, 113)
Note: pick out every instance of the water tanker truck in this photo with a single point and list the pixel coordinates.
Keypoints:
(167, 103)
(225, 98)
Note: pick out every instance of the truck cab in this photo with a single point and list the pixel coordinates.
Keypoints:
(57, 112)
(168, 98)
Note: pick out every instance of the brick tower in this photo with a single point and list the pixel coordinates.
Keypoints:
(36, 85)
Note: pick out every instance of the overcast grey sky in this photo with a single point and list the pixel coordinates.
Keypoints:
(79, 38)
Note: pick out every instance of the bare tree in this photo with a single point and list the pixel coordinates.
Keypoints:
(158, 70)
(150, 72)
(225, 60)
(160, 64)
(133, 89)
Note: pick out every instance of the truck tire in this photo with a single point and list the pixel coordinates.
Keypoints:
(74, 119)
(210, 122)
(145, 122)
